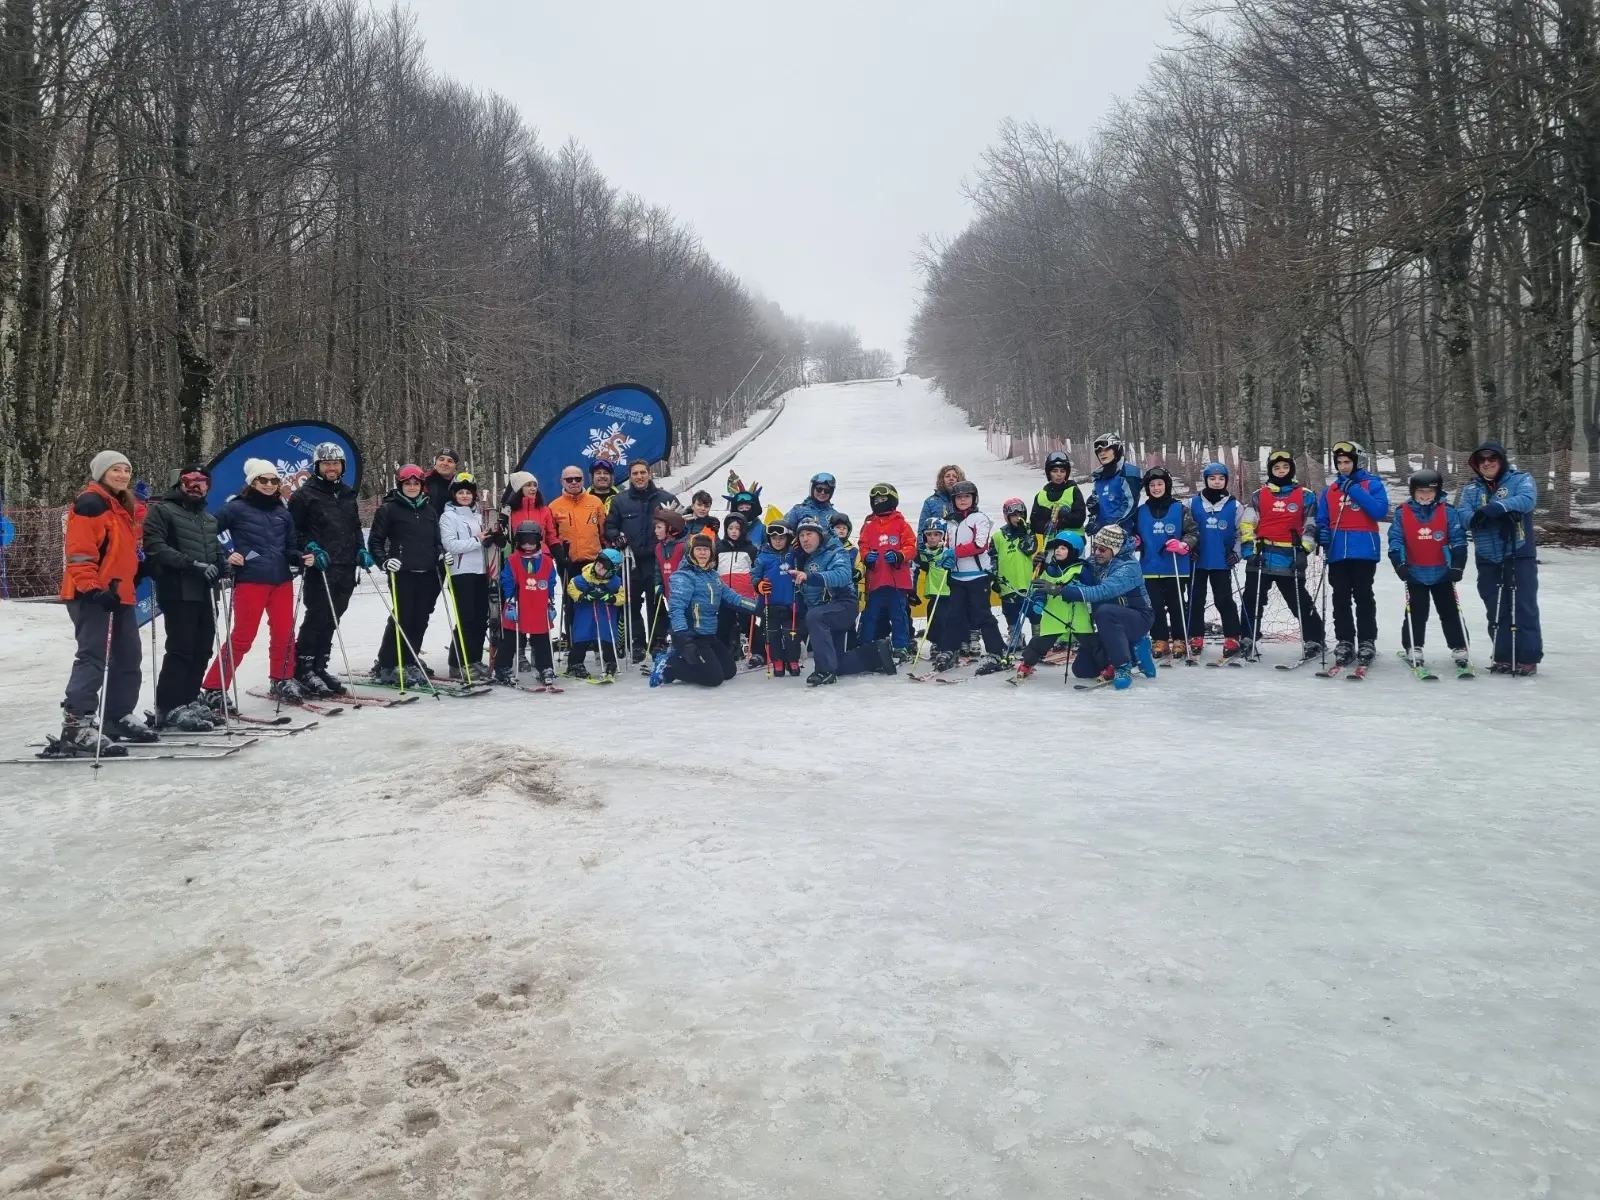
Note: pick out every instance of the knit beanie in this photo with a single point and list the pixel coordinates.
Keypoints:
(255, 468)
(104, 461)
(1109, 538)
(517, 480)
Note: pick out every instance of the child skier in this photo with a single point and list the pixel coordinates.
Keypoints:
(596, 599)
(970, 560)
(1115, 499)
(1055, 615)
(746, 501)
(1167, 536)
(1347, 527)
(1216, 516)
(931, 578)
(462, 533)
(736, 560)
(779, 620)
(888, 546)
(1428, 550)
(841, 526)
(1015, 546)
(1278, 533)
(1059, 504)
(527, 605)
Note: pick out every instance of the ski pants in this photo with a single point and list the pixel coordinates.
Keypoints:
(191, 629)
(1011, 607)
(1355, 608)
(706, 661)
(646, 606)
(829, 624)
(605, 651)
(89, 623)
(1510, 592)
(731, 623)
(1258, 589)
(250, 602)
(780, 633)
(1116, 628)
(1221, 584)
(415, 594)
(1042, 645)
(1167, 601)
(1442, 594)
(887, 604)
(537, 645)
(472, 611)
(968, 610)
(317, 626)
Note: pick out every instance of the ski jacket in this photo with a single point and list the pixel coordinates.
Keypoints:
(519, 508)
(580, 522)
(179, 532)
(1429, 539)
(1050, 502)
(969, 537)
(935, 579)
(830, 574)
(1013, 559)
(1117, 582)
(1056, 614)
(595, 603)
(736, 563)
(1281, 515)
(858, 575)
(773, 567)
(883, 533)
(697, 597)
(407, 530)
(812, 507)
(1116, 496)
(328, 514)
(263, 531)
(1216, 532)
(437, 489)
(706, 524)
(528, 593)
(669, 559)
(458, 534)
(1159, 521)
(1515, 491)
(102, 545)
(935, 507)
(633, 515)
(605, 499)
(1347, 517)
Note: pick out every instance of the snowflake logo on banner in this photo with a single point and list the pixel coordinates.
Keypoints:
(610, 444)
(293, 473)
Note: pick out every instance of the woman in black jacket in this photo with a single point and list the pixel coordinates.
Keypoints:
(405, 542)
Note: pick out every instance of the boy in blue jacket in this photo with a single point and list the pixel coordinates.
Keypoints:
(1497, 503)
(1428, 550)
(1114, 499)
(779, 618)
(1348, 513)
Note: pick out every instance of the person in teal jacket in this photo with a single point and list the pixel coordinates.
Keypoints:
(698, 593)
(1348, 512)
(825, 575)
(1497, 504)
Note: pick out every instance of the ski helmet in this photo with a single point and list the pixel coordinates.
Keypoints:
(327, 452)
(610, 559)
(1073, 540)
(811, 524)
(464, 481)
(1280, 456)
(778, 530)
(1351, 450)
(408, 472)
(744, 503)
(1108, 441)
(839, 519)
(529, 533)
(1014, 507)
(965, 488)
(1427, 477)
(933, 525)
(884, 498)
(1057, 458)
(1215, 468)
(1162, 474)
(823, 479)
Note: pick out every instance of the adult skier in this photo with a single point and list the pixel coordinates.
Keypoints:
(602, 477)
(405, 542)
(1278, 534)
(1059, 504)
(1217, 517)
(818, 502)
(1348, 513)
(888, 545)
(1428, 550)
(970, 561)
(580, 525)
(1497, 504)
(824, 575)
(187, 563)
(327, 517)
(1167, 538)
(1115, 484)
(463, 539)
(1113, 588)
(694, 606)
(937, 505)
(630, 527)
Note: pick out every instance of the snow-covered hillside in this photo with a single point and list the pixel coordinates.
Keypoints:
(1234, 933)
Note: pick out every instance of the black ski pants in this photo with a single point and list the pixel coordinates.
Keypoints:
(315, 640)
(191, 627)
(89, 664)
(1040, 646)
(536, 644)
(1167, 602)
(706, 660)
(780, 634)
(1422, 596)
(644, 605)
(964, 610)
(1258, 589)
(1355, 608)
(415, 594)
(1221, 585)
(472, 610)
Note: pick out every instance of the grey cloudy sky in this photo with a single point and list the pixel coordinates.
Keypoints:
(810, 144)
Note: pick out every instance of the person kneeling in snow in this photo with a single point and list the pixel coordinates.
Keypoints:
(1120, 606)
(825, 576)
(695, 604)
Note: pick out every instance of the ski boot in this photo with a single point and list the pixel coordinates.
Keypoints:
(904, 655)
(547, 677)
(1122, 677)
(504, 678)
(1197, 647)
(1143, 652)
(794, 670)
(974, 646)
(886, 662)
(1024, 672)
(453, 672)
(988, 665)
(385, 676)
(1462, 658)
(1310, 650)
(218, 701)
(1523, 670)
(819, 678)
(1237, 648)
(755, 662)
(286, 691)
(577, 671)
(335, 685)
(126, 729)
(201, 711)
(80, 739)
(1366, 652)
(658, 670)
(310, 682)
(1343, 654)
(637, 656)
(1159, 650)
(943, 660)
(183, 719)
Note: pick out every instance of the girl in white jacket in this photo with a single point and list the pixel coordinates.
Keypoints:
(462, 533)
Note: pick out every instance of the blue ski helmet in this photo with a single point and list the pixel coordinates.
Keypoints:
(611, 558)
(1072, 538)
(823, 479)
(1214, 468)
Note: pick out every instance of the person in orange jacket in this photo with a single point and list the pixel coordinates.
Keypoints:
(102, 573)
(580, 523)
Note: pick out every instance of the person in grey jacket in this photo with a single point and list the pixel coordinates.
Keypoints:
(463, 536)
(186, 563)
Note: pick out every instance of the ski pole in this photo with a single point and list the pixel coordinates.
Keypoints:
(927, 634)
(338, 632)
(400, 634)
(1411, 637)
(766, 627)
(627, 600)
(233, 667)
(1183, 610)
(453, 611)
(288, 646)
(1462, 618)
(105, 686)
(221, 645)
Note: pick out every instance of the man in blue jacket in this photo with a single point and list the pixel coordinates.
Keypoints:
(630, 527)
(1112, 585)
(1497, 503)
(825, 576)
(1348, 513)
(818, 504)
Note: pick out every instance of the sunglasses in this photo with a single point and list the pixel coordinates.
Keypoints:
(269, 480)
(572, 479)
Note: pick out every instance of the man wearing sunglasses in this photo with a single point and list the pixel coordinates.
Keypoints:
(580, 521)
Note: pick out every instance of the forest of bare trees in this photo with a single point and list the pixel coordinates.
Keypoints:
(215, 214)
(1316, 219)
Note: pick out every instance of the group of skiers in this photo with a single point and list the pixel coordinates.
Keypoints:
(1117, 567)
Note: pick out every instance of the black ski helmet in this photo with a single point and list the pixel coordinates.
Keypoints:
(1108, 441)
(965, 488)
(884, 498)
(1278, 456)
(1162, 474)
(1057, 458)
(530, 532)
(779, 530)
(1427, 477)
(840, 518)
(744, 524)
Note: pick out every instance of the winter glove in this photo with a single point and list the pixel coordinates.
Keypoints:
(1232, 558)
(559, 550)
(95, 596)
(1457, 574)
(946, 560)
(1072, 594)
(391, 565)
(1489, 512)
(764, 587)
(1175, 546)
(1400, 569)
(1028, 544)
(1247, 550)
(1048, 587)
(364, 559)
(1091, 505)
(1309, 541)
(206, 571)
(319, 556)
(1302, 559)
(1325, 538)
(894, 558)
(508, 612)
(872, 558)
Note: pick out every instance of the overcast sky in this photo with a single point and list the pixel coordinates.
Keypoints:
(810, 144)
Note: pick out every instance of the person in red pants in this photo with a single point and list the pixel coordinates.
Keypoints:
(265, 554)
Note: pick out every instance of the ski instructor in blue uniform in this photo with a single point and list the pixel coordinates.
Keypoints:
(1497, 504)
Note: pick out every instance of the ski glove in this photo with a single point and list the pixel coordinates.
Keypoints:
(391, 565)
(509, 613)
(765, 587)
(319, 556)
(1400, 569)
(106, 598)
(872, 558)
(1247, 550)
(946, 560)
(364, 559)
(1048, 588)
(1072, 594)
(1302, 559)
(1489, 512)
(893, 557)
(1457, 574)
(206, 571)
(1174, 546)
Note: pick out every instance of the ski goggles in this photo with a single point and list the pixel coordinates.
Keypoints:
(1015, 509)
(1346, 450)
(880, 491)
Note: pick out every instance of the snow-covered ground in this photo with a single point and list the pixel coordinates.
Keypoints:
(1234, 933)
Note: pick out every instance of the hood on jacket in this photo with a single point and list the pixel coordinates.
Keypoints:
(176, 495)
(1490, 446)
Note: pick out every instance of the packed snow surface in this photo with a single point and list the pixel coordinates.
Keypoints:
(1234, 933)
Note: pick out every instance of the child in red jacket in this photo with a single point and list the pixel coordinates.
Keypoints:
(527, 604)
(888, 545)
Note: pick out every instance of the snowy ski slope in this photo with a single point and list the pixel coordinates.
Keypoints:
(1234, 933)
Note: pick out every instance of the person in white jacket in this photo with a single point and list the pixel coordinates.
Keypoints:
(970, 561)
(463, 536)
